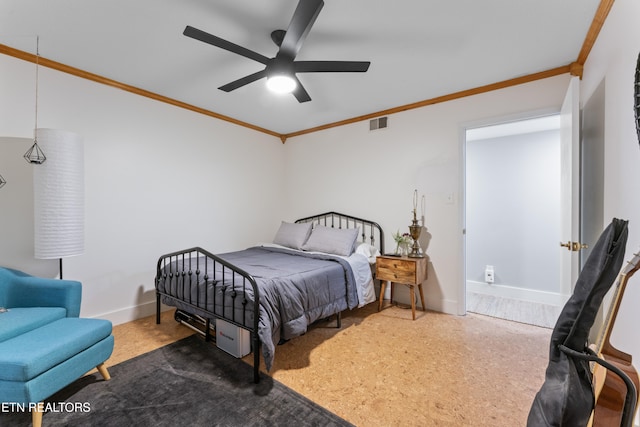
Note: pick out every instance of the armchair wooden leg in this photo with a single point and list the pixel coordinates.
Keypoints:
(103, 371)
(36, 414)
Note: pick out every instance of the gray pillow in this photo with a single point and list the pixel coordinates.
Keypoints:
(336, 241)
(292, 235)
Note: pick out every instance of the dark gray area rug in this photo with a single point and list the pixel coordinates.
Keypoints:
(188, 383)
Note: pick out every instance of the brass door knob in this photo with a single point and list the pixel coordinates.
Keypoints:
(577, 246)
(573, 246)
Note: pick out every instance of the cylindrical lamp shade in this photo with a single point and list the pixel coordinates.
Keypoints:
(59, 195)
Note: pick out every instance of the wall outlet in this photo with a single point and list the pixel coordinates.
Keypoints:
(489, 276)
(449, 199)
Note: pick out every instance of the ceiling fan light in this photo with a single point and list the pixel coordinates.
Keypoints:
(281, 84)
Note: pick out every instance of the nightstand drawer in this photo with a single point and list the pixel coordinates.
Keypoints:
(396, 270)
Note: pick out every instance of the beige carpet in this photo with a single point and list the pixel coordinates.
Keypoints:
(384, 369)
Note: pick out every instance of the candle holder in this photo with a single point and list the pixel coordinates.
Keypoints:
(414, 230)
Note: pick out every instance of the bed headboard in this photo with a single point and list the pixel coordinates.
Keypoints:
(370, 231)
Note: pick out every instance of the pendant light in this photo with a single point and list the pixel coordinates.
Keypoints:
(35, 155)
(2, 181)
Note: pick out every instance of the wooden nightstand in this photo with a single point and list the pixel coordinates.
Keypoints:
(405, 271)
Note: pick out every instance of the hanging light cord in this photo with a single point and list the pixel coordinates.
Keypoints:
(35, 155)
(37, 68)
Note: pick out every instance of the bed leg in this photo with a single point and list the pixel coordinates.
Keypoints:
(207, 335)
(256, 358)
(157, 309)
(339, 320)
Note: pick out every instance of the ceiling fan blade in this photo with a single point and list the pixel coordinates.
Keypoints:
(303, 18)
(300, 92)
(331, 66)
(243, 81)
(194, 33)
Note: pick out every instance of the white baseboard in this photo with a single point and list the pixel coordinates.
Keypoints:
(434, 302)
(132, 313)
(523, 294)
(444, 306)
(149, 308)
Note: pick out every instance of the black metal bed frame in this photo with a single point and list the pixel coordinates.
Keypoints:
(187, 268)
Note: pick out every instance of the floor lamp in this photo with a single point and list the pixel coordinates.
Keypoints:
(59, 196)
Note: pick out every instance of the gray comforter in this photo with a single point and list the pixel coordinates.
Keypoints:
(296, 289)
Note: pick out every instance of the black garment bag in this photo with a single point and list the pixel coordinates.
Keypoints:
(566, 397)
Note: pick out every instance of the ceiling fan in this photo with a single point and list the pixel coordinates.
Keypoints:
(281, 70)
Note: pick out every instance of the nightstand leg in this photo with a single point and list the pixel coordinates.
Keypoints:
(383, 286)
(412, 295)
(424, 307)
(391, 284)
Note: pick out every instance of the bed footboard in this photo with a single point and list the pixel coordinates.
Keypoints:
(203, 284)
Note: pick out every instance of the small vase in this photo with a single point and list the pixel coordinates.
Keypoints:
(406, 248)
(402, 249)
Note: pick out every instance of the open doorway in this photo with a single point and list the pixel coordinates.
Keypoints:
(512, 220)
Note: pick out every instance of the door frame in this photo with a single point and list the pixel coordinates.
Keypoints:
(570, 186)
(463, 128)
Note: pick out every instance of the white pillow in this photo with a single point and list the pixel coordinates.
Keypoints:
(367, 250)
(292, 235)
(336, 241)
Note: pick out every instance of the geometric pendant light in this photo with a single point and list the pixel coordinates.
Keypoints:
(35, 155)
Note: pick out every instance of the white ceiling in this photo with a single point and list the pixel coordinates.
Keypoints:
(419, 49)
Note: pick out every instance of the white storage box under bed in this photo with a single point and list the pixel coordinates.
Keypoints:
(232, 339)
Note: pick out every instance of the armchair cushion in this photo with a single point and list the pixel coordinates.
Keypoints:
(19, 320)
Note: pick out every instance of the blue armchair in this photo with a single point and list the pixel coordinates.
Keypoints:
(44, 344)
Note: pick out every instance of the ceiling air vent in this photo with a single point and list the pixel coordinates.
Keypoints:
(379, 123)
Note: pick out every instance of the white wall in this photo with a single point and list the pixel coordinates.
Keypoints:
(140, 154)
(613, 59)
(16, 207)
(513, 210)
(158, 178)
(373, 174)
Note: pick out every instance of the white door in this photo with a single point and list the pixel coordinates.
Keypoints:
(570, 188)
